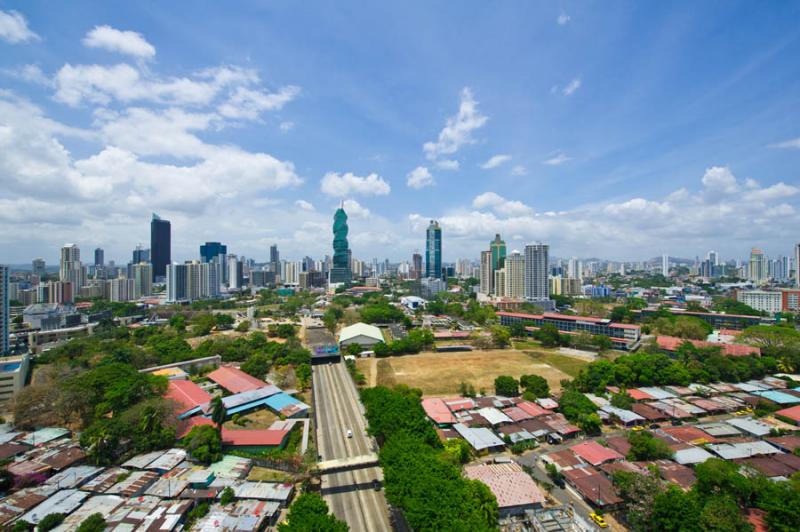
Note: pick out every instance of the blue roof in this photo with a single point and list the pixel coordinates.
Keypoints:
(281, 400)
(779, 397)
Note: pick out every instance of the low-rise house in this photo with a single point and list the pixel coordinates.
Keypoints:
(648, 412)
(239, 516)
(480, 439)
(750, 426)
(692, 456)
(131, 514)
(533, 409)
(494, 416)
(436, 409)
(791, 414)
(105, 480)
(737, 451)
(61, 502)
(787, 444)
(134, 484)
(514, 489)
(166, 516)
(626, 418)
(255, 440)
(593, 486)
(595, 454)
(74, 477)
(96, 504)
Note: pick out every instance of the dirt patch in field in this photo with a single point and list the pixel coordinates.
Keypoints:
(442, 373)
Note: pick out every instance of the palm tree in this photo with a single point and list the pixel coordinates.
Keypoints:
(150, 420)
(218, 412)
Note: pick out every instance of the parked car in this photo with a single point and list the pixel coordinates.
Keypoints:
(598, 520)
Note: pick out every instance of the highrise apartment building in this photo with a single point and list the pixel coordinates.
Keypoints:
(515, 275)
(487, 274)
(39, 268)
(758, 270)
(665, 265)
(70, 270)
(142, 280)
(4, 310)
(536, 272)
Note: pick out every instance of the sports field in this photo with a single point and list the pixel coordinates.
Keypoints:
(442, 373)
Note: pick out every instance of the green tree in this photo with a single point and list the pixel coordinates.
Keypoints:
(457, 450)
(331, 317)
(485, 500)
(549, 336)
(309, 513)
(243, 326)
(227, 496)
(204, 444)
(506, 386)
(50, 521)
(223, 321)
(674, 509)
(257, 365)
(535, 384)
(622, 400)
(354, 350)
(218, 412)
(501, 336)
(303, 374)
(644, 447)
(721, 513)
(94, 523)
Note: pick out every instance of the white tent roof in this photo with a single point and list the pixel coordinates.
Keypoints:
(360, 329)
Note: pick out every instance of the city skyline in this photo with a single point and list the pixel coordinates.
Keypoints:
(113, 115)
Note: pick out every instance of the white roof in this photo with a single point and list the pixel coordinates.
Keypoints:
(360, 329)
(656, 393)
(750, 425)
(734, 451)
(494, 416)
(692, 455)
(62, 502)
(74, 476)
(626, 416)
(478, 438)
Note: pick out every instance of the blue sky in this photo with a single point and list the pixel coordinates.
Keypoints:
(622, 130)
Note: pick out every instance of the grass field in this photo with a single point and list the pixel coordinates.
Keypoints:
(262, 474)
(442, 373)
(258, 419)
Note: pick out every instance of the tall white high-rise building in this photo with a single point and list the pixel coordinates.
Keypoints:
(70, 270)
(486, 280)
(4, 299)
(665, 265)
(515, 275)
(758, 271)
(574, 268)
(142, 280)
(797, 265)
(290, 272)
(537, 287)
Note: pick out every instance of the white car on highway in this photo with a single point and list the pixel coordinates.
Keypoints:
(349, 433)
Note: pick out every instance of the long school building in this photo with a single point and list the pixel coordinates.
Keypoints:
(622, 335)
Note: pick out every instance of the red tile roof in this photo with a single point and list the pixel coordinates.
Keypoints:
(437, 410)
(639, 395)
(533, 409)
(594, 453)
(262, 437)
(689, 434)
(186, 394)
(235, 380)
(792, 413)
(510, 484)
(671, 343)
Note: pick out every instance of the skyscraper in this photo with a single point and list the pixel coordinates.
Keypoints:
(797, 265)
(70, 270)
(209, 250)
(275, 259)
(140, 255)
(487, 274)
(416, 261)
(38, 267)
(160, 246)
(99, 257)
(498, 249)
(537, 287)
(433, 250)
(142, 280)
(340, 271)
(4, 309)
(665, 265)
(758, 270)
(515, 275)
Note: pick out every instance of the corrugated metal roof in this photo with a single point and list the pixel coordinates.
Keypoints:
(360, 329)
(62, 502)
(478, 438)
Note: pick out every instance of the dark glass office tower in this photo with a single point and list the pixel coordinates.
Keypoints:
(160, 246)
(209, 250)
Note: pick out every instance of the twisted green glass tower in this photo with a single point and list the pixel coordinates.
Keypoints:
(340, 271)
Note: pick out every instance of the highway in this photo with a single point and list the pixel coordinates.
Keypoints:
(349, 494)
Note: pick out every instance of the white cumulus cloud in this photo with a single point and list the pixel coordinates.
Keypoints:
(119, 41)
(304, 205)
(355, 209)
(519, 170)
(341, 185)
(557, 160)
(458, 129)
(501, 205)
(14, 28)
(792, 144)
(571, 87)
(419, 177)
(495, 161)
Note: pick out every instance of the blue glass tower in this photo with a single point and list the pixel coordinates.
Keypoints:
(340, 271)
(433, 250)
(209, 250)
